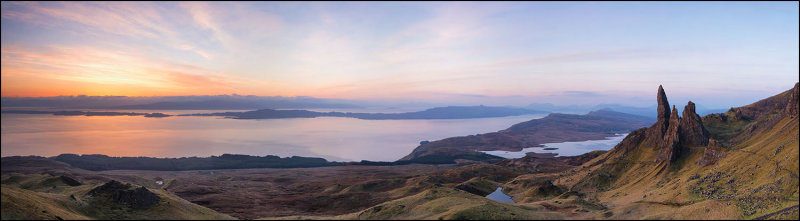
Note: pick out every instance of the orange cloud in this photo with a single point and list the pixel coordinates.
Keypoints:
(92, 71)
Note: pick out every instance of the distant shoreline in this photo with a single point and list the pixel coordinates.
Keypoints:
(450, 112)
(99, 162)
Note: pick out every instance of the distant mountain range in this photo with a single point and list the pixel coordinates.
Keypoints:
(641, 111)
(85, 113)
(212, 102)
(250, 102)
(450, 112)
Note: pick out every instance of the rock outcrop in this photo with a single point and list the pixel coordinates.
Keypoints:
(713, 152)
(663, 104)
(792, 107)
(671, 145)
(70, 181)
(693, 133)
(138, 198)
(672, 134)
(655, 133)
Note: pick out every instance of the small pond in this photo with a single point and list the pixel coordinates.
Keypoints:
(499, 196)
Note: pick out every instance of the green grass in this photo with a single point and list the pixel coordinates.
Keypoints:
(33, 197)
(724, 129)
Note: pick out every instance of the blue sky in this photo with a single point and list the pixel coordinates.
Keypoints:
(718, 54)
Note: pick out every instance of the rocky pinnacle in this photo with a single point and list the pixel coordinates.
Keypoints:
(655, 134)
(663, 105)
(693, 133)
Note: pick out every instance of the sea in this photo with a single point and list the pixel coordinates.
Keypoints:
(332, 138)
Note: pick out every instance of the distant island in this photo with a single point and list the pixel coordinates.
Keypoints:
(198, 102)
(86, 113)
(450, 112)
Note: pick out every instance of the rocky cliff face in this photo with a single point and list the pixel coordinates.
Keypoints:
(792, 107)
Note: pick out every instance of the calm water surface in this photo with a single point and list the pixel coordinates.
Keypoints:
(564, 148)
(338, 139)
(499, 196)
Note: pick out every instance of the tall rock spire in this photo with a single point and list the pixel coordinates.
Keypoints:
(655, 134)
(671, 145)
(672, 134)
(663, 104)
(692, 131)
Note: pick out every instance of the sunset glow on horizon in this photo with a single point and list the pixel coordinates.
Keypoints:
(731, 52)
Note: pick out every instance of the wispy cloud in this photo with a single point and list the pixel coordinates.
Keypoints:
(135, 20)
(85, 64)
(404, 49)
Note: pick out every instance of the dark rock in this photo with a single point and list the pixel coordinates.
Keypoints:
(70, 181)
(655, 134)
(548, 189)
(778, 150)
(663, 104)
(139, 198)
(672, 134)
(470, 189)
(692, 131)
(109, 187)
(792, 106)
(712, 153)
(671, 146)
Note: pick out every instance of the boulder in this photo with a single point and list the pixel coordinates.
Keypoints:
(713, 152)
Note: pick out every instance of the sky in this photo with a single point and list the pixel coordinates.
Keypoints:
(717, 54)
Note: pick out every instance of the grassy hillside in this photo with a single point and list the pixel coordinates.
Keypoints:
(43, 196)
(757, 178)
(445, 203)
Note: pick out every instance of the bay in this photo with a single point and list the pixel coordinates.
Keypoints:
(563, 148)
